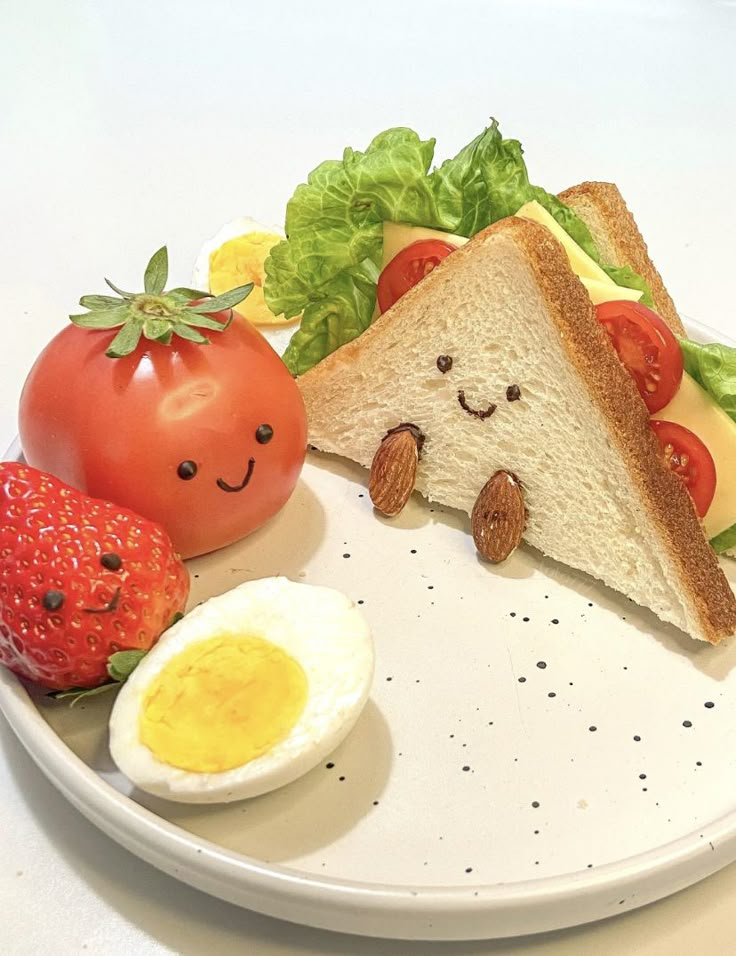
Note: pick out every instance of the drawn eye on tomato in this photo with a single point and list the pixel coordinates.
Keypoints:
(206, 439)
(264, 434)
(187, 470)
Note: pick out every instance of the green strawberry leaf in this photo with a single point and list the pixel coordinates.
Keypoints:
(122, 664)
(157, 272)
(75, 694)
(119, 666)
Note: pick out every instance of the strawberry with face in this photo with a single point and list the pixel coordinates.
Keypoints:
(81, 580)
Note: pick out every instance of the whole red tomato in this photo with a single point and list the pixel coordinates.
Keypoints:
(207, 439)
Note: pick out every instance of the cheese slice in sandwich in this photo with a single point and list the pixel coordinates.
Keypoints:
(507, 309)
(620, 243)
(616, 234)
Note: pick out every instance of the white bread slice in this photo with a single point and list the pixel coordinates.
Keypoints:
(620, 243)
(509, 311)
(602, 208)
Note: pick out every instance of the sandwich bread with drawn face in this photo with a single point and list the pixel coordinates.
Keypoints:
(512, 318)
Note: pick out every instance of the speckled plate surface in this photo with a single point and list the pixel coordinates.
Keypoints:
(537, 751)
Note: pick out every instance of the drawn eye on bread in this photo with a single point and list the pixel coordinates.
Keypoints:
(567, 423)
(499, 514)
(445, 363)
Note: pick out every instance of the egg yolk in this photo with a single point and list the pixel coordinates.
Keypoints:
(221, 703)
(239, 261)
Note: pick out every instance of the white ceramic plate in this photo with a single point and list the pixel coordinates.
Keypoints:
(537, 752)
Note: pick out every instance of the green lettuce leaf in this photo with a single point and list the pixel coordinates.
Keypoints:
(488, 180)
(344, 311)
(714, 367)
(485, 182)
(460, 192)
(334, 221)
(334, 224)
(725, 541)
(570, 222)
(626, 277)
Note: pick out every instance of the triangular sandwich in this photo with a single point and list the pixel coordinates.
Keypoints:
(498, 363)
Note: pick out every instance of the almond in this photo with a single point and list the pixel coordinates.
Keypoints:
(498, 517)
(394, 469)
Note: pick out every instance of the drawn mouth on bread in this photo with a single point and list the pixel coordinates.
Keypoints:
(591, 405)
(517, 301)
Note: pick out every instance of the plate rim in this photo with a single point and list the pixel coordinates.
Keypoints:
(396, 911)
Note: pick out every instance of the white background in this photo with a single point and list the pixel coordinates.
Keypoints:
(124, 125)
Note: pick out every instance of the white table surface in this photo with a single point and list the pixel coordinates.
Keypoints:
(125, 124)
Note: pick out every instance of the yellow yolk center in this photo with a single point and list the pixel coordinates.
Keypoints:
(239, 261)
(222, 702)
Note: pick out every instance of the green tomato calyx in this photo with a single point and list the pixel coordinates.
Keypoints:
(154, 306)
(156, 314)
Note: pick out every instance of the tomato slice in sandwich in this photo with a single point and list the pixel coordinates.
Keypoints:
(647, 348)
(409, 267)
(689, 458)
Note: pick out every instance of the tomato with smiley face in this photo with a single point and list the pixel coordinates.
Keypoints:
(133, 404)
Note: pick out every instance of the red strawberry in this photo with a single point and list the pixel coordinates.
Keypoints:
(80, 579)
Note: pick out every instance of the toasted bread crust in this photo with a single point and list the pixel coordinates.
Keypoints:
(667, 500)
(611, 388)
(602, 208)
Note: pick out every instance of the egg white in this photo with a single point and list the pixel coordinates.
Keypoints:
(231, 230)
(322, 629)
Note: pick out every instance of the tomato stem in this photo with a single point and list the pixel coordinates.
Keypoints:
(156, 314)
(156, 306)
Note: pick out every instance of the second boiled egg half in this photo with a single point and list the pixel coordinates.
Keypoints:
(235, 256)
(244, 694)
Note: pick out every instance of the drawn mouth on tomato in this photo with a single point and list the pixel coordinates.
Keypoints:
(221, 483)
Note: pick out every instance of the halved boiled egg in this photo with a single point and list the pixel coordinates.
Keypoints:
(244, 694)
(234, 257)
